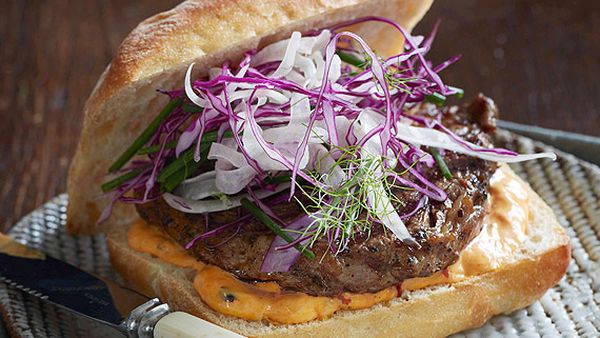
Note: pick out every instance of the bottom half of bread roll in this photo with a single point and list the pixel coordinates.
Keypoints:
(520, 253)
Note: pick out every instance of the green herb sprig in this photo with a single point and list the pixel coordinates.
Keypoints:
(345, 209)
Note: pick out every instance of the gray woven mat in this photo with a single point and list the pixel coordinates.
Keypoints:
(571, 309)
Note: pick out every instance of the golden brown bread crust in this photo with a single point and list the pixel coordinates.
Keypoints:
(156, 53)
(539, 265)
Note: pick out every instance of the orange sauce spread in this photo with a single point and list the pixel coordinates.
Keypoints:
(505, 227)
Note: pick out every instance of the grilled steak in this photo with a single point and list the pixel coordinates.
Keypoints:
(371, 262)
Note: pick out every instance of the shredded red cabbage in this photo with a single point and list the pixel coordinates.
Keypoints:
(327, 87)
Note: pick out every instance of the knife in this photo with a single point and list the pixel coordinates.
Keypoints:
(586, 147)
(101, 300)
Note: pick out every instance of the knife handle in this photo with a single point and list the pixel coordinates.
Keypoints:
(181, 324)
(155, 319)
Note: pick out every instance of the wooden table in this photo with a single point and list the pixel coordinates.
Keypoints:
(539, 59)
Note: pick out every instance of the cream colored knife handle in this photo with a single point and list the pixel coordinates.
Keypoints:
(183, 325)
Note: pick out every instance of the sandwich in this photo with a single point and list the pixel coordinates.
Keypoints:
(292, 169)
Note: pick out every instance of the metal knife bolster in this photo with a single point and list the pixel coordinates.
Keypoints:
(143, 319)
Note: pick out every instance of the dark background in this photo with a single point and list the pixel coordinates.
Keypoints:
(539, 59)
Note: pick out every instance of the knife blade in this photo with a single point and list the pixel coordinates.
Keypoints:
(99, 299)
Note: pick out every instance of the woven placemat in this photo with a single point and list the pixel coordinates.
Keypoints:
(570, 309)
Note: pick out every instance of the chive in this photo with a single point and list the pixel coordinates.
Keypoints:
(351, 59)
(261, 216)
(459, 92)
(211, 136)
(156, 148)
(110, 185)
(278, 179)
(187, 156)
(180, 175)
(181, 168)
(182, 162)
(145, 135)
(436, 98)
(191, 108)
(440, 162)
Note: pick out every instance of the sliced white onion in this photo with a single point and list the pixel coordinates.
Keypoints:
(415, 40)
(231, 180)
(189, 91)
(379, 200)
(320, 42)
(232, 170)
(287, 63)
(272, 95)
(276, 51)
(198, 187)
(335, 69)
(366, 122)
(324, 164)
(350, 98)
(316, 80)
(306, 66)
(270, 53)
(294, 133)
(295, 77)
(367, 86)
(435, 138)
(299, 109)
(255, 151)
(187, 138)
(289, 149)
(203, 206)
(343, 127)
(310, 44)
(222, 152)
(383, 208)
